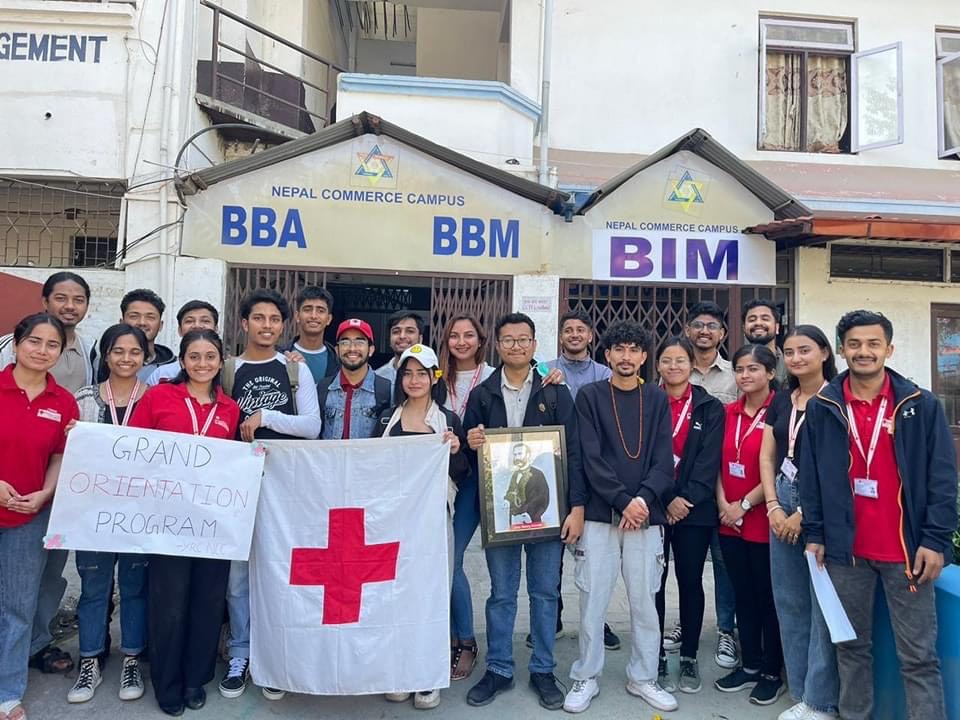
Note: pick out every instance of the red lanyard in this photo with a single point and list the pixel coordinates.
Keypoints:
(193, 417)
(130, 403)
(875, 436)
(738, 441)
(793, 430)
(453, 393)
(683, 416)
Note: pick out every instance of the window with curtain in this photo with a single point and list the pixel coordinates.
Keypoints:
(805, 88)
(948, 93)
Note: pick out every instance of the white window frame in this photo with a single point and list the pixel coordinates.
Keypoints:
(766, 22)
(855, 145)
(944, 152)
(941, 36)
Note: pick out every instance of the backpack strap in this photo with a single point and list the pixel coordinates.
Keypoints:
(550, 395)
(293, 375)
(228, 375)
(382, 390)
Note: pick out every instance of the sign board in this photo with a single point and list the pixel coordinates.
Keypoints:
(128, 490)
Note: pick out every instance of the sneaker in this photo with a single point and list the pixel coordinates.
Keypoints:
(426, 699)
(88, 680)
(727, 656)
(396, 697)
(795, 712)
(654, 695)
(235, 680)
(690, 676)
(663, 676)
(672, 640)
(273, 693)
(738, 680)
(580, 695)
(194, 698)
(131, 680)
(545, 685)
(611, 641)
(768, 690)
(528, 640)
(486, 690)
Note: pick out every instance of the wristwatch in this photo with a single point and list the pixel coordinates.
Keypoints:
(745, 505)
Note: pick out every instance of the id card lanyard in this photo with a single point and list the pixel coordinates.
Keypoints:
(130, 403)
(683, 415)
(874, 437)
(738, 441)
(193, 418)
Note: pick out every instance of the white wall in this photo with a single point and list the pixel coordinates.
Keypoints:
(821, 301)
(538, 296)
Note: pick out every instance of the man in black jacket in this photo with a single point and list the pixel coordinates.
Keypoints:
(879, 496)
(313, 314)
(513, 396)
(625, 437)
(528, 493)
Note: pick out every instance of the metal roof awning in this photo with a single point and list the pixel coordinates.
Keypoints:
(812, 230)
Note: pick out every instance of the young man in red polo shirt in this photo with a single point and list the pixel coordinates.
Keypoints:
(879, 498)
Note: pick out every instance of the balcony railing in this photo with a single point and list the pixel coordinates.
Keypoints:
(235, 82)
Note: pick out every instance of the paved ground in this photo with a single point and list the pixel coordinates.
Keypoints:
(46, 695)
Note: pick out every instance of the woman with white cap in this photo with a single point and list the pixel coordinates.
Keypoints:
(418, 413)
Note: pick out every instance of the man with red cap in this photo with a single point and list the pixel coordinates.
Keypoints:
(352, 400)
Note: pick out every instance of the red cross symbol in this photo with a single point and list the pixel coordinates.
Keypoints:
(344, 566)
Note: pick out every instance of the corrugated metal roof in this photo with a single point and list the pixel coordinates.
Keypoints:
(367, 123)
(701, 143)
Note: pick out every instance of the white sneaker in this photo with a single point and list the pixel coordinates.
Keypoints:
(396, 697)
(654, 695)
(88, 680)
(273, 693)
(580, 695)
(817, 715)
(426, 699)
(131, 680)
(797, 712)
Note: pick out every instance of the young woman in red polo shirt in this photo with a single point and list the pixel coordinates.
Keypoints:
(745, 531)
(187, 595)
(34, 414)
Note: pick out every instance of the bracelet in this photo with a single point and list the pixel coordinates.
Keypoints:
(769, 502)
(773, 509)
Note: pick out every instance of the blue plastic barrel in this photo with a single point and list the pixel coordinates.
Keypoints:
(948, 637)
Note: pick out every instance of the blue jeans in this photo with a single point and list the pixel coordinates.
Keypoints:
(21, 565)
(543, 576)
(52, 587)
(96, 584)
(238, 607)
(723, 596)
(466, 518)
(808, 653)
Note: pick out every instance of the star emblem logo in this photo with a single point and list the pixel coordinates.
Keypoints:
(374, 165)
(686, 191)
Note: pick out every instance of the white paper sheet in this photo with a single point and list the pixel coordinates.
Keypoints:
(833, 613)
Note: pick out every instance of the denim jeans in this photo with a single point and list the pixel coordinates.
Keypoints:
(21, 565)
(466, 518)
(543, 574)
(238, 607)
(52, 587)
(723, 596)
(808, 653)
(96, 583)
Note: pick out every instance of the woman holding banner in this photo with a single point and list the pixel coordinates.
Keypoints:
(34, 414)
(122, 352)
(417, 413)
(187, 595)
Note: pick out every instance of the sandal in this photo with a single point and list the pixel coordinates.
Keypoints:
(12, 710)
(51, 660)
(461, 671)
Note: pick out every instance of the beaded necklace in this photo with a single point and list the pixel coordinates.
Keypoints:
(616, 417)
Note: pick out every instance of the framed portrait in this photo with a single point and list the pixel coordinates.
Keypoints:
(523, 485)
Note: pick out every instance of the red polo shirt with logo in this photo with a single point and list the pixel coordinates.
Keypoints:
(756, 527)
(876, 521)
(31, 431)
(162, 407)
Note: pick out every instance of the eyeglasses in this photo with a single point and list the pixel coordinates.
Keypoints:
(348, 343)
(700, 325)
(522, 342)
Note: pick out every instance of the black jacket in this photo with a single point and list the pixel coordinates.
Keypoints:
(548, 405)
(613, 479)
(459, 464)
(700, 463)
(333, 360)
(926, 462)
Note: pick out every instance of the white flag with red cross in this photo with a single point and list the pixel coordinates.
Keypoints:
(349, 574)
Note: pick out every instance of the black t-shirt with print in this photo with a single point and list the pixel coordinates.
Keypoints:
(263, 386)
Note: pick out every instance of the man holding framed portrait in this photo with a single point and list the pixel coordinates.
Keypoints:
(626, 441)
(525, 434)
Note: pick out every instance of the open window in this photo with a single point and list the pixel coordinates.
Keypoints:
(877, 92)
(948, 94)
(804, 85)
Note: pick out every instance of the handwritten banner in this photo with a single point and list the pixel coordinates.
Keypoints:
(129, 490)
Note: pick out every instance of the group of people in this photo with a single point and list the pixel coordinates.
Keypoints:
(754, 460)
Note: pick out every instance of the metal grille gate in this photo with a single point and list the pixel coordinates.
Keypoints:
(486, 299)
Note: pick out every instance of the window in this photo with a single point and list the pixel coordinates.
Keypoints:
(948, 94)
(804, 86)
(945, 353)
(94, 251)
(879, 262)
